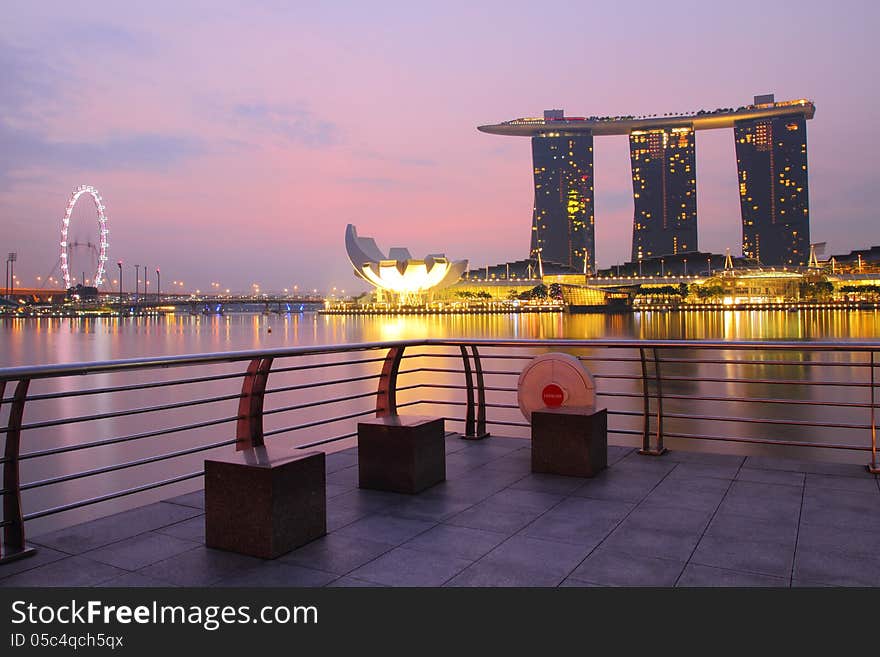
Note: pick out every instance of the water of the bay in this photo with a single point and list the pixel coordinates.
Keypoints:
(44, 341)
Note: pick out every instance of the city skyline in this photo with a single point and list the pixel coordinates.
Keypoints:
(246, 167)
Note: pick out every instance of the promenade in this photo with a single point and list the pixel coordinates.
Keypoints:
(683, 519)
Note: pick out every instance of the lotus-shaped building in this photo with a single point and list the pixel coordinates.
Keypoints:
(408, 278)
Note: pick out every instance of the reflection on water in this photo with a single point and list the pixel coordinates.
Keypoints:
(44, 340)
(53, 340)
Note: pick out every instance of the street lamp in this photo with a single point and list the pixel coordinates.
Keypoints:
(158, 285)
(662, 262)
(709, 264)
(685, 266)
(137, 281)
(10, 273)
(119, 264)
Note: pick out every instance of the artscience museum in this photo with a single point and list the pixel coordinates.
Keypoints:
(398, 276)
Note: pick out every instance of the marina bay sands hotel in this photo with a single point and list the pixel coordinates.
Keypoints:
(771, 155)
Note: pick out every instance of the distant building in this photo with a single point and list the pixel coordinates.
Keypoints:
(664, 175)
(771, 159)
(562, 220)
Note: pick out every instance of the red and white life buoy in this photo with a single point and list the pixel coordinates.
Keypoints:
(552, 381)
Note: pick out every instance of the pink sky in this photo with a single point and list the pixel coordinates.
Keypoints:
(233, 142)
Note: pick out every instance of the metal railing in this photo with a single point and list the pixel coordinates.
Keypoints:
(789, 394)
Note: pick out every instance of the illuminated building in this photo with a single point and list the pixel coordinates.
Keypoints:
(562, 219)
(406, 278)
(771, 159)
(563, 165)
(664, 191)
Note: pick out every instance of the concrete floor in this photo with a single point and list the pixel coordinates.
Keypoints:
(684, 519)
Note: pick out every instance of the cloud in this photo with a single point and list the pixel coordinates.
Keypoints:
(24, 149)
(406, 161)
(296, 123)
(372, 182)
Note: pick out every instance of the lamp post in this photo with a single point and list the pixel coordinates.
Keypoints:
(158, 285)
(10, 273)
(709, 264)
(662, 264)
(685, 266)
(119, 264)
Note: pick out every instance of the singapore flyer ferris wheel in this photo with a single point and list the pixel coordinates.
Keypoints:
(103, 233)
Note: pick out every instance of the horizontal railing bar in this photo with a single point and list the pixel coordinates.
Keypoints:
(778, 422)
(123, 439)
(327, 440)
(128, 388)
(318, 384)
(126, 465)
(763, 400)
(318, 423)
(127, 412)
(764, 441)
(785, 382)
(312, 366)
(321, 402)
(111, 496)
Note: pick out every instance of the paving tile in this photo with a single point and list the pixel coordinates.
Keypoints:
(838, 569)
(840, 508)
(620, 484)
(816, 467)
(335, 553)
(277, 574)
(718, 471)
(864, 484)
(696, 575)
(42, 557)
(189, 530)
(353, 582)
(571, 582)
(830, 539)
(616, 453)
(655, 515)
(668, 544)
(70, 571)
(487, 573)
(347, 477)
(494, 517)
(527, 500)
(706, 458)
(462, 542)
(386, 529)
(771, 476)
(199, 567)
(424, 508)
(692, 492)
(548, 483)
(196, 499)
(725, 525)
(553, 557)
(134, 580)
(405, 567)
(368, 501)
(97, 533)
(138, 551)
(519, 461)
(615, 568)
(339, 461)
(745, 554)
(342, 516)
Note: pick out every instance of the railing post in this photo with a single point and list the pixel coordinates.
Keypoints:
(873, 467)
(469, 388)
(658, 448)
(478, 408)
(386, 395)
(249, 428)
(14, 545)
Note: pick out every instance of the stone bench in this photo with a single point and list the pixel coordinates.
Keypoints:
(265, 501)
(570, 440)
(401, 453)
